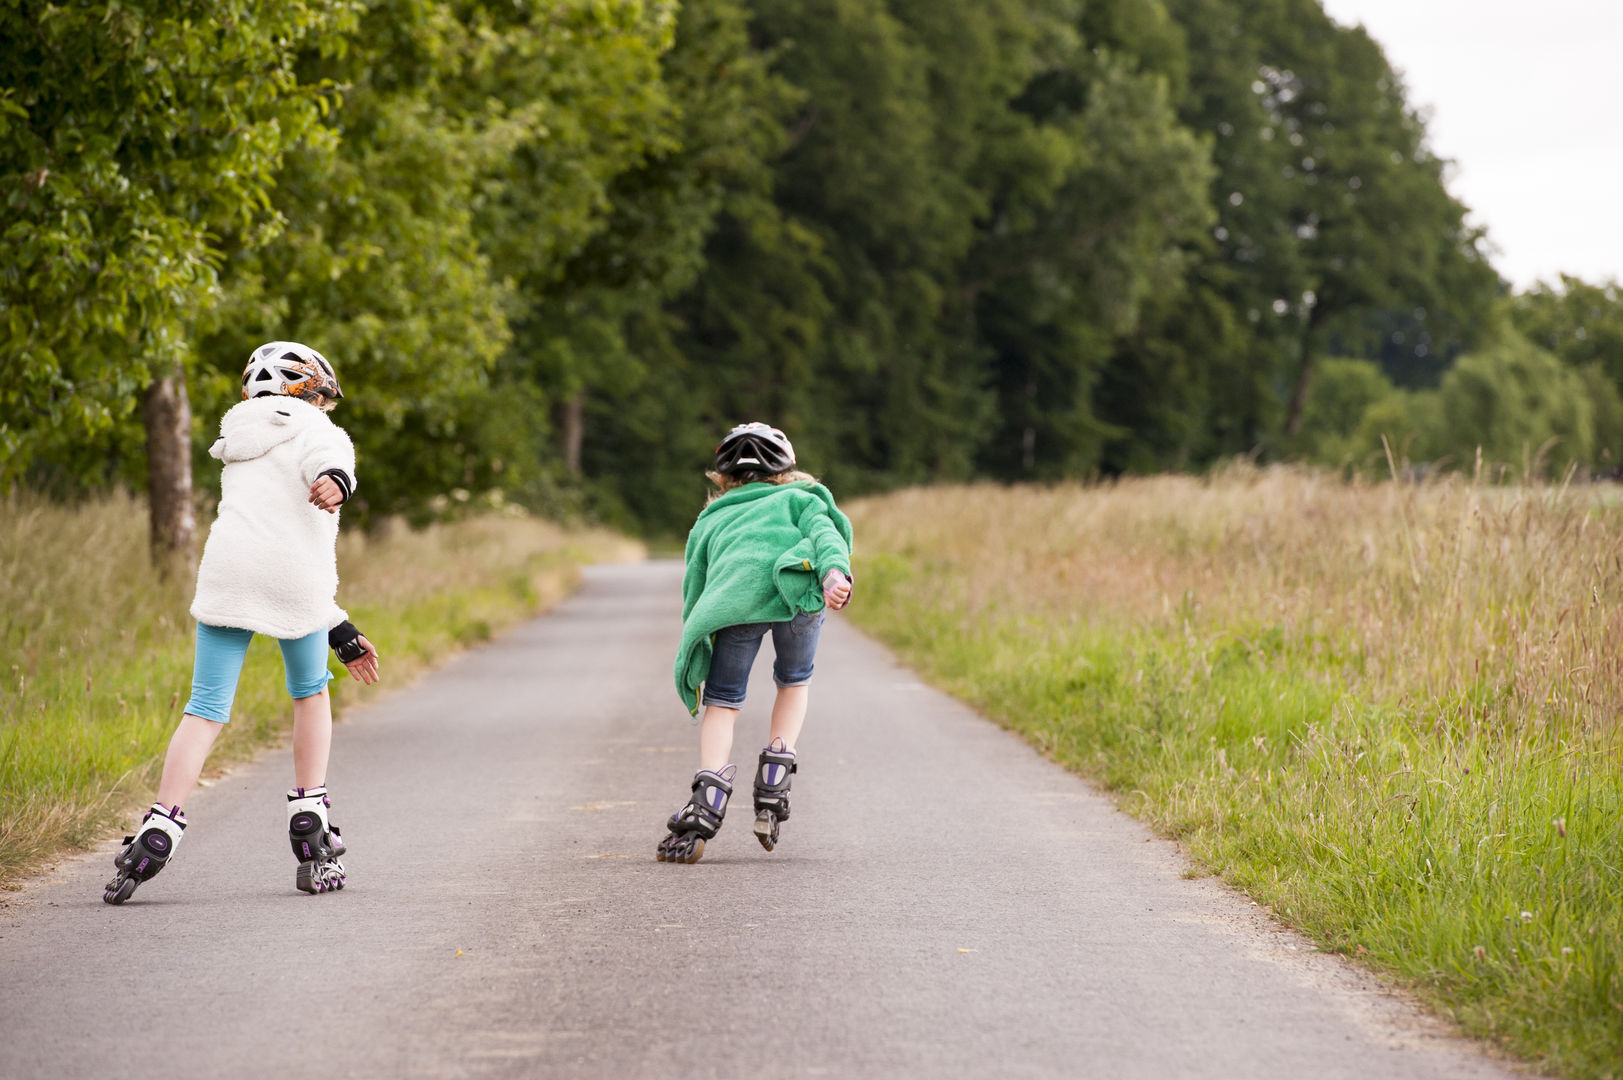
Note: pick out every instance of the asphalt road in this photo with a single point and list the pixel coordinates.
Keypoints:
(944, 903)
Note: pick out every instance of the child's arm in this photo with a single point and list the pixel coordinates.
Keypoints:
(832, 553)
(359, 655)
(328, 466)
(836, 589)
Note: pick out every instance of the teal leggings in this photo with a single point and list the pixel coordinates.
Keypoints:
(220, 650)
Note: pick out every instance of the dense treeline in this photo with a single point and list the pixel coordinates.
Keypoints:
(554, 248)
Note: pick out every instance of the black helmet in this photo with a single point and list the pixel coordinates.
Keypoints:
(754, 447)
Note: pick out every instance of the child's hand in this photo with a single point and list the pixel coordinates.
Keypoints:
(364, 668)
(325, 494)
(836, 590)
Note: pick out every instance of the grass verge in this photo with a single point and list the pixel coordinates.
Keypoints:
(97, 652)
(1387, 712)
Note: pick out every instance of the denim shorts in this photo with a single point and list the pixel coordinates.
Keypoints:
(220, 652)
(794, 644)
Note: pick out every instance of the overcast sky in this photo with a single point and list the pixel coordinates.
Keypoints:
(1526, 97)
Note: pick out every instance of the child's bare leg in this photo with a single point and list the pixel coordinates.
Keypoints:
(777, 762)
(312, 739)
(716, 737)
(183, 764)
(317, 843)
(788, 714)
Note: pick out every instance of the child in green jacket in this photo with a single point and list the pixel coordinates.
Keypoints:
(768, 554)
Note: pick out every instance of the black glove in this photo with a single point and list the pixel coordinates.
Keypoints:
(346, 642)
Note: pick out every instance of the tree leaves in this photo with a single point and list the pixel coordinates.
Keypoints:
(555, 249)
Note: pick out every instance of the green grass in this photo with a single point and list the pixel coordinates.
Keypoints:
(1478, 860)
(98, 652)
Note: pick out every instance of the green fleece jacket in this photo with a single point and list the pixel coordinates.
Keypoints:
(756, 554)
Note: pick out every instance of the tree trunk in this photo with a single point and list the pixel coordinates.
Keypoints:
(1304, 380)
(167, 416)
(574, 431)
(1028, 438)
(1293, 411)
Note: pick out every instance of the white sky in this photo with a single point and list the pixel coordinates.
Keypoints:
(1526, 97)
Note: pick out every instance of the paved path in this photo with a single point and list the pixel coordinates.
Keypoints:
(945, 903)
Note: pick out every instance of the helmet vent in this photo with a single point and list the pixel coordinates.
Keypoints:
(286, 367)
(754, 448)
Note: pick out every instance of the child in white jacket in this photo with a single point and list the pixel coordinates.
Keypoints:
(269, 567)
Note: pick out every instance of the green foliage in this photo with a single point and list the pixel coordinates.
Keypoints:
(1521, 406)
(1331, 215)
(380, 265)
(131, 134)
(1348, 410)
(1349, 820)
(556, 249)
(1582, 324)
(1073, 269)
(1579, 322)
(1515, 404)
(1475, 855)
(100, 659)
(645, 431)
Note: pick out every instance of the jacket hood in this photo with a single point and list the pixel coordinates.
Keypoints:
(761, 490)
(251, 428)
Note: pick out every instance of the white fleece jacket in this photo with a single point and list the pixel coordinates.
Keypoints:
(270, 564)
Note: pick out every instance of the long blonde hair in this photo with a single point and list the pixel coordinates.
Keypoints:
(725, 483)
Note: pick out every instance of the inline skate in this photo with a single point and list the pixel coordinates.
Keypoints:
(698, 821)
(316, 841)
(772, 777)
(147, 852)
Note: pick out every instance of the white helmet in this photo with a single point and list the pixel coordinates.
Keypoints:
(289, 369)
(754, 448)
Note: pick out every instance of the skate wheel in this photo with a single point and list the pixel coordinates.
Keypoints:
(119, 891)
(686, 848)
(766, 829)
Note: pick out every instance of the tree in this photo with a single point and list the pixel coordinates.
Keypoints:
(1064, 269)
(582, 85)
(379, 265)
(1332, 209)
(1334, 420)
(876, 186)
(131, 134)
(1579, 322)
(645, 417)
(1520, 406)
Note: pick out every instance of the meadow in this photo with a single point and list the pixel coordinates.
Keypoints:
(96, 649)
(1389, 711)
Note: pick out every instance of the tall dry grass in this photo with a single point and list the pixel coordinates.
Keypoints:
(96, 650)
(1436, 589)
(1389, 711)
